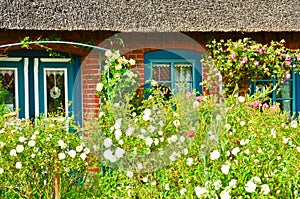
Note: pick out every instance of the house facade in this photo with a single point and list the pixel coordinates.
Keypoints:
(167, 39)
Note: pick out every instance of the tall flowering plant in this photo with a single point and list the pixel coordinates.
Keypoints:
(246, 60)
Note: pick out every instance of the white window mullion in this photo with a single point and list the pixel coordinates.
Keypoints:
(26, 87)
(36, 88)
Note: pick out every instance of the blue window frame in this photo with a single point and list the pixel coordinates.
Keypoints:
(285, 94)
(174, 68)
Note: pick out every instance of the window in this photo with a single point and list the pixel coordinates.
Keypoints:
(285, 94)
(175, 69)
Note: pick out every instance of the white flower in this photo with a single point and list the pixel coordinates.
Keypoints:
(148, 141)
(119, 152)
(200, 191)
(129, 131)
(265, 189)
(256, 179)
(18, 165)
(294, 124)
(235, 151)
(20, 148)
(1, 130)
(176, 123)
(244, 142)
(62, 144)
(156, 141)
(232, 183)
(83, 156)
(189, 161)
(2, 144)
(214, 155)
(140, 166)
(242, 123)
(32, 155)
(147, 111)
(217, 184)
(250, 187)
(99, 87)
(225, 168)
(79, 148)
(107, 154)
(154, 83)
(241, 99)
(285, 140)
(108, 53)
(129, 174)
(101, 114)
(259, 150)
(61, 156)
(224, 195)
(182, 191)
(21, 139)
(145, 179)
(36, 133)
(196, 104)
(173, 138)
(298, 149)
(131, 62)
(72, 153)
(13, 152)
(167, 187)
(247, 151)
(185, 151)
(160, 133)
(273, 133)
(1, 171)
(33, 136)
(227, 126)
(31, 143)
(86, 150)
(118, 134)
(118, 123)
(107, 142)
(146, 117)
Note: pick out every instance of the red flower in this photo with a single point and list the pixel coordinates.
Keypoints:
(190, 134)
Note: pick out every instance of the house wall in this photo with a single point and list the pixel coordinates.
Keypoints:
(90, 59)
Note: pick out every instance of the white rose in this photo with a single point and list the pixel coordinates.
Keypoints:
(72, 153)
(61, 156)
(214, 155)
(189, 161)
(13, 152)
(235, 151)
(99, 87)
(20, 148)
(31, 143)
(21, 139)
(250, 187)
(265, 189)
(131, 62)
(200, 191)
(18, 165)
(129, 174)
(79, 148)
(241, 99)
(83, 156)
(225, 168)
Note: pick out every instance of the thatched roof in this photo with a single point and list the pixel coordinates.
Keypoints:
(152, 15)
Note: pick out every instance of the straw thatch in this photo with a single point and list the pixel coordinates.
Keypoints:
(152, 15)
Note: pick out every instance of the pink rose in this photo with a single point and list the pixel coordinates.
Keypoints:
(288, 76)
(287, 57)
(256, 63)
(264, 106)
(288, 62)
(244, 61)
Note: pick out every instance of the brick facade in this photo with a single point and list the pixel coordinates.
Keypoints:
(90, 66)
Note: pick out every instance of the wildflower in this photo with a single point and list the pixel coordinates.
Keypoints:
(176, 123)
(140, 166)
(214, 155)
(241, 99)
(256, 63)
(189, 161)
(196, 104)
(294, 124)
(154, 83)
(173, 138)
(83, 156)
(247, 151)
(18, 165)
(287, 57)
(72, 153)
(265, 189)
(107, 142)
(131, 62)
(182, 191)
(13, 152)
(99, 87)
(129, 174)
(224, 195)
(225, 168)
(20, 148)
(250, 187)
(21, 139)
(200, 191)
(201, 98)
(79, 148)
(31, 143)
(232, 183)
(190, 134)
(257, 103)
(86, 150)
(235, 151)
(61, 156)
(288, 76)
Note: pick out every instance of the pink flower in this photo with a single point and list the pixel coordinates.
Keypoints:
(233, 56)
(298, 56)
(264, 106)
(244, 61)
(264, 49)
(256, 63)
(289, 62)
(294, 65)
(188, 95)
(190, 134)
(257, 103)
(260, 51)
(288, 76)
(201, 98)
(287, 57)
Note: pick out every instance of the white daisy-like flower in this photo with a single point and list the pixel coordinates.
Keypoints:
(83, 156)
(156, 141)
(108, 53)
(79, 148)
(61, 156)
(225, 195)
(247, 151)
(189, 161)
(22, 139)
(147, 111)
(160, 133)
(20, 148)
(214, 155)
(298, 149)
(18, 165)
(225, 168)
(118, 123)
(129, 174)
(31, 143)
(32, 155)
(241, 99)
(173, 138)
(265, 189)
(72, 153)
(200, 191)
(250, 186)
(146, 117)
(235, 151)
(232, 183)
(217, 184)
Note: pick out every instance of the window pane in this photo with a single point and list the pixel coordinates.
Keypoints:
(184, 87)
(285, 90)
(161, 72)
(7, 78)
(55, 91)
(183, 72)
(286, 105)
